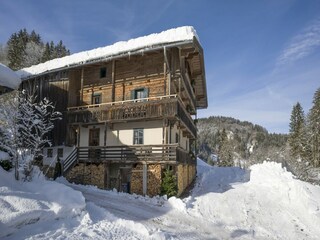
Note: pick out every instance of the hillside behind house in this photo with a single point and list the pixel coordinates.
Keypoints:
(248, 141)
(246, 144)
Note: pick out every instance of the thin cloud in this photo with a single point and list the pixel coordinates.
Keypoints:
(301, 45)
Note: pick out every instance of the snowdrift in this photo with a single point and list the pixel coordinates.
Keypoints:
(263, 202)
(23, 203)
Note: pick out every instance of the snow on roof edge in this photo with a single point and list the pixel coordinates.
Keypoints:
(179, 34)
(8, 77)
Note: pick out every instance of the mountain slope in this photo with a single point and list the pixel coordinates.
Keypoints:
(248, 141)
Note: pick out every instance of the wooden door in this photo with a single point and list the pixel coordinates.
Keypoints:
(94, 140)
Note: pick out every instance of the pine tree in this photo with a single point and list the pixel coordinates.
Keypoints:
(297, 132)
(26, 49)
(169, 184)
(225, 150)
(15, 52)
(46, 56)
(314, 125)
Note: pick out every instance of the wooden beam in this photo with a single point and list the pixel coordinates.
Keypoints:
(113, 80)
(145, 179)
(82, 79)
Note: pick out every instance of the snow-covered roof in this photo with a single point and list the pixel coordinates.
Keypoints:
(9, 78)
(180, 34)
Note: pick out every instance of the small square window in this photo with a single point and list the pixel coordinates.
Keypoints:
(60, 152)
(138, 136)
(49, 152)
(103, 72)
(96, 98)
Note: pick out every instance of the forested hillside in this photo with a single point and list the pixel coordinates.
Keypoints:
(24, 49)
(230, 140)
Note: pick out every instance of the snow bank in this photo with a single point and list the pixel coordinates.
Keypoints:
(4, 156)
(23, 203)
(9, 78)
(272, 204)
(170, 36)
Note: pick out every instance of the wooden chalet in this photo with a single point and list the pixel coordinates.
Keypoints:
(129, 110)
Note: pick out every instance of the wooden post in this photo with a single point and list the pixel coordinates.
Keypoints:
(108, 175)
(145, 179)
(78, 136)
(165, 78)
(113, 80)
(105, 134)
(82, 79)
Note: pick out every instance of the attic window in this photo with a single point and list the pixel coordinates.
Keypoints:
(103, 72)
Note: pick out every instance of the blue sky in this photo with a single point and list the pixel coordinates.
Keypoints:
(261, 56)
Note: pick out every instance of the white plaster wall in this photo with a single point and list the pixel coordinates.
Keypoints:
(52, 161)
(182, 140)
(122, 133)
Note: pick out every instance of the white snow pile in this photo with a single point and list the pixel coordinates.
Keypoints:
(265, 202)
(272, 204)
(179, 34)
(24, 203)
(8, 78)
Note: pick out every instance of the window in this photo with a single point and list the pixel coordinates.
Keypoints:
(138, 136)
(103, 72)
(96, 98)
(60, 152)
(140, 93)
(49, 152)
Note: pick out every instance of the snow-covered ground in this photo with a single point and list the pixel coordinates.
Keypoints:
(226, 203)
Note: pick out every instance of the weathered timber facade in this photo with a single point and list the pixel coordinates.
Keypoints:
(128, 116)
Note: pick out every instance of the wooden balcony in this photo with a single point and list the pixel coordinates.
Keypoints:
(170, 153)
(170, 107)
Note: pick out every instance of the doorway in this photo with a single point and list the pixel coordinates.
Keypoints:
(94, 140)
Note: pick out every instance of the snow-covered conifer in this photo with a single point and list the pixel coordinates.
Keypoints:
(297, 131)
(314, 126)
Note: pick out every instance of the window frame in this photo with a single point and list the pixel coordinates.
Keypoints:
(49, 152)
(143, 90)
(96, 96)
(138, 136)
(60, 153)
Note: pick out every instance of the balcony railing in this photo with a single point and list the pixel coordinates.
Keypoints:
(147, 108)
(134, 153)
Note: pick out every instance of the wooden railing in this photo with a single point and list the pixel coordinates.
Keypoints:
(70, 160)
(149, 108)
(108, 104)
(134, 153)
